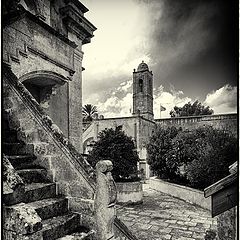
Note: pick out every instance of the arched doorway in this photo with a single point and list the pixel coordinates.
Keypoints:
(48, 90)
(41, 84)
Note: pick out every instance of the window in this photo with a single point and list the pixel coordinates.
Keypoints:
(140, 85)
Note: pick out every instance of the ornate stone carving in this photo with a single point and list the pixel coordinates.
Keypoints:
(105, 199)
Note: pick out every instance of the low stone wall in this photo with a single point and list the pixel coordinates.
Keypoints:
(187, 194)
(219, 121)
(129, 192)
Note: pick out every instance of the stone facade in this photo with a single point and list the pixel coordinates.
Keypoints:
(137, 127)
(141, 125)
(143, 91)
(227, 223)
(42, 42)
(227, 122)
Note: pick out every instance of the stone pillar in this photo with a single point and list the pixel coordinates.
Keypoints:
(75, 102)
(105, 200)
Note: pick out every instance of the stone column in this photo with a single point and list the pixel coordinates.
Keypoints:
(75, 102)
(105, 200)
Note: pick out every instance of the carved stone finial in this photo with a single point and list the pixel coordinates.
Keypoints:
(105, 199)
(104, 166)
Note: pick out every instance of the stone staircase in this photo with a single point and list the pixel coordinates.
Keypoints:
(51, 218)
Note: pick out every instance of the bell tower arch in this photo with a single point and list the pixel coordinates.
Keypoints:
(143, 91)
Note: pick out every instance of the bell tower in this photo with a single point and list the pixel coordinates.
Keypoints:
(143, 91)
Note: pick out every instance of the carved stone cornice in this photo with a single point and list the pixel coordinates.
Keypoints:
(77, 23)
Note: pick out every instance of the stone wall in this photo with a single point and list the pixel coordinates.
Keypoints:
(129, 192)
(221, 121)
(227, 225)
(187, 194)
(39, 36)
(45, 140)
(139, 128)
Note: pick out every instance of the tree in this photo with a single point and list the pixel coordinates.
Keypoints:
(116, 146)
(215, 150)
(189, 109)
(197, 158)
(158, 149)
(88, 112)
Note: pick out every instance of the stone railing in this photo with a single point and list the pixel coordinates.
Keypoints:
(122, 232)
(18, 91)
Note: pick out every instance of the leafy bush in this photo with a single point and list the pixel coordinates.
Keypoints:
(116, 146)
(197, 158)
(215, 150)
(159, 150)
(194, 109)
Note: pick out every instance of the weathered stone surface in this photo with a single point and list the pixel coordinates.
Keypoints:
(61, 165)
(227, 224)
(60, 226)
(11, 179)
(38, 191)
(221, 121)
(21, 218)
(164, 217)
(129, 192)
(105, 199)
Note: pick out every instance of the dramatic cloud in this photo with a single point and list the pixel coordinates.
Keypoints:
(119, 104)
(223, 100)
(168, 100)
(189, 44)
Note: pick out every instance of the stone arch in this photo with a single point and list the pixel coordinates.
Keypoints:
(42, 84)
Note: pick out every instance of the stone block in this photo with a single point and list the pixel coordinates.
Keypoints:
(21, 219)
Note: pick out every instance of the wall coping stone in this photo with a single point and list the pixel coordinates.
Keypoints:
(191, 195)
(216, 116)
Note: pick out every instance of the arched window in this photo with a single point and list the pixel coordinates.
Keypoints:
(150, 86)
(140, 85)
(41, 83)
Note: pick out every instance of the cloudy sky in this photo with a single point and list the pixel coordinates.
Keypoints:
(190, 46)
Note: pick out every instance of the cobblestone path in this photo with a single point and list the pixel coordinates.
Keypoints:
(164, 217)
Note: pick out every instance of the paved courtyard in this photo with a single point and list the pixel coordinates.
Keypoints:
(164, 217)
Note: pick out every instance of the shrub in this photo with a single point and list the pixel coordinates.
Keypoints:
(215, 150)
(197, 158)
(191, 109)
(159, 150)
(116, 146)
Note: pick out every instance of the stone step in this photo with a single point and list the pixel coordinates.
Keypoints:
(34, 175)
(80, 236)
(50, 207)
(13, 148)
(22, 161)
(60, 226)
(38, 191)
